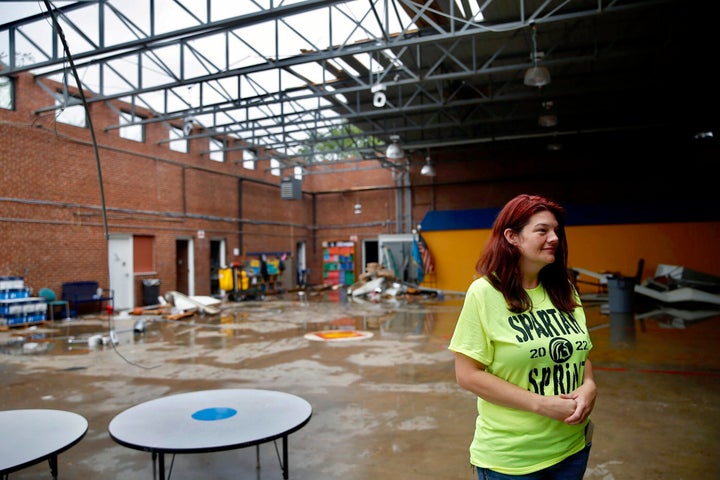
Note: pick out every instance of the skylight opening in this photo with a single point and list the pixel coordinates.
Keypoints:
(340, 97)
(341, 64)
(474, 13)
(394, 60)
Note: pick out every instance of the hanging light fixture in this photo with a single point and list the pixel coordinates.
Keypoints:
(536, 76)
(428, 170)
(357, 208)
(394, 150)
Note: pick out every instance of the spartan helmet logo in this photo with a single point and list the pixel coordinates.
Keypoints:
(560, 350)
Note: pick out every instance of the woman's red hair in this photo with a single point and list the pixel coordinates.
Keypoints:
(499, 261)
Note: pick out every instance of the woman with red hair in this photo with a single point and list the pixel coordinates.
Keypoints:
(521, 346)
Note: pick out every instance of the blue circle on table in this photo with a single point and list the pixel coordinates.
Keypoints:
(215, 413)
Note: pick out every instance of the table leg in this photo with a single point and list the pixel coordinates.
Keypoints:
(257, 457)
(159, 459)
(161, 467)
(53, 466)
(285, 466)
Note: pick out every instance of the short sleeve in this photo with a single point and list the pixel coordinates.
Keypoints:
(470, 336)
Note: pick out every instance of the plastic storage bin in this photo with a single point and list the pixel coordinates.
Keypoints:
(621, 294)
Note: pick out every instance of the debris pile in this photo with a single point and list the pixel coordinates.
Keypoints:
(176, 305)
(378, 282)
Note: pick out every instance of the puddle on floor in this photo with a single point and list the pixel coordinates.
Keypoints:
(660, 340)
(271, 319)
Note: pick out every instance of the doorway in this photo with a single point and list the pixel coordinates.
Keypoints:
(217, 261)
(184, 276)
(396, 255)
(370, 253)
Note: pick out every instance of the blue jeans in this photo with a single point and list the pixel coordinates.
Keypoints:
(572, 468)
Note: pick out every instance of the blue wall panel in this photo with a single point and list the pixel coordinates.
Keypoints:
(578, 215)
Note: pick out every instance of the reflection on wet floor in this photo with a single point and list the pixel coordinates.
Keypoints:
(626, 337)
(622, 329)
(237, 323)
(656, 341)
(616, 336)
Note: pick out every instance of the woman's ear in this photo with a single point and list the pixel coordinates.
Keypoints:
(510, 236)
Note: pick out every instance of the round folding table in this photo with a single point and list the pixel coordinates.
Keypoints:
(210, 421)
(29, 436)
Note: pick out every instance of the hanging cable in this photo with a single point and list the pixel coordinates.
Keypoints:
(95, 150)
(61, 34)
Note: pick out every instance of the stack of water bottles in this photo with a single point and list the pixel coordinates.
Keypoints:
(17, 306)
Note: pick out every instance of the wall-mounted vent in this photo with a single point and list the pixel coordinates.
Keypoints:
(291, 188)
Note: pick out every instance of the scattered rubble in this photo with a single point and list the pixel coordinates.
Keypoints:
(378, 282)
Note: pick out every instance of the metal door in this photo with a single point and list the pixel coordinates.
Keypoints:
(120, 268)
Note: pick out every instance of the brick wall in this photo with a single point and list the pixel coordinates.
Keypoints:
(52, 226)
(51, 222)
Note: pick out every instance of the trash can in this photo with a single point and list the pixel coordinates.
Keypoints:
(621, 294)
(225, 279)
(151, 291)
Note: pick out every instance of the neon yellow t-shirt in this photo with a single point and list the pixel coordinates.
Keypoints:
(542, 350)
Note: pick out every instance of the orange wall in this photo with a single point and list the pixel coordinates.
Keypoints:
(603, 248)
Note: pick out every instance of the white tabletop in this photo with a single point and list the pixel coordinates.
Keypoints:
(32, 435)
(210, 420)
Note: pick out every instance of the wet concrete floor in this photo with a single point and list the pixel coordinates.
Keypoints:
(384, 407)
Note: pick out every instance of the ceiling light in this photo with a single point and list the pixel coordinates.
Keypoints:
(428, 170)
(394, 150)
(536, 76)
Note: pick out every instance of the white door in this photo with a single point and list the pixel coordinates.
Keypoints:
(120, 266)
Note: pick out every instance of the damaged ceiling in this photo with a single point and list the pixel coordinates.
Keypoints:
(442, 75)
